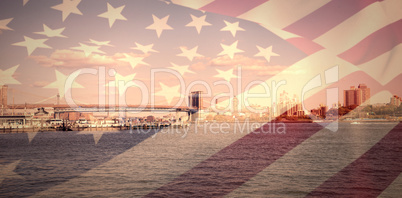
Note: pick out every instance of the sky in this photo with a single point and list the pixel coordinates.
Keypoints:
(159, 50)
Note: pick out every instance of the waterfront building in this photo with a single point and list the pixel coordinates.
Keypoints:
(3, 96)
(351, 97)
(320, 111)
(356, 96)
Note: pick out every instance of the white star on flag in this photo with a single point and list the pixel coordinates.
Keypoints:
(232, 28)
(60, 83)
(120, 78)
(113, 14)
(190, 54)
(227, 75)
(181, 69)
(32, 44)
(159, 25)
(100, 43)
(6, 76)
(88, 49)
(68, 7)
(230, 50)
(144, 48)
(134, 61)
(4, 23)
(266, 53)
(51, 33)
(169, 92)
(7, 171)
(198, 22)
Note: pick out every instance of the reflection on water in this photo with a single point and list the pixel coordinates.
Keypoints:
(130, 163)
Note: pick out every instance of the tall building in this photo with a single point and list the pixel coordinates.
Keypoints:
(356, 96)
(3, 95)
(351, 97)
(365, 93)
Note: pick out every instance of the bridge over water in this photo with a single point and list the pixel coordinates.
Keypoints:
(190, 111)
(195, 104)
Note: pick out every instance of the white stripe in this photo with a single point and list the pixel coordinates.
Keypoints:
(359, 26)
(192, 4)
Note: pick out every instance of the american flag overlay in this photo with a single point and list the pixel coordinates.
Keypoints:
(321, 80)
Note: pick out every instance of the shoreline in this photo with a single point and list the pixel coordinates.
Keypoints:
(7, 130)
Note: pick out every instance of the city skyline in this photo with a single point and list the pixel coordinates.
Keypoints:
(352, 97)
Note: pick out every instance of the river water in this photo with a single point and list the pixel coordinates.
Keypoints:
(233, 160)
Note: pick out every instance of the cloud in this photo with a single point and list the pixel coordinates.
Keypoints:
(71, 58)
(237, 60)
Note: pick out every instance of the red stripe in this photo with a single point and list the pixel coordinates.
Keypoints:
(305, 45)
(380, 166)
(232, 166)
(327, 17)
(377, 43)
(232, 8)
